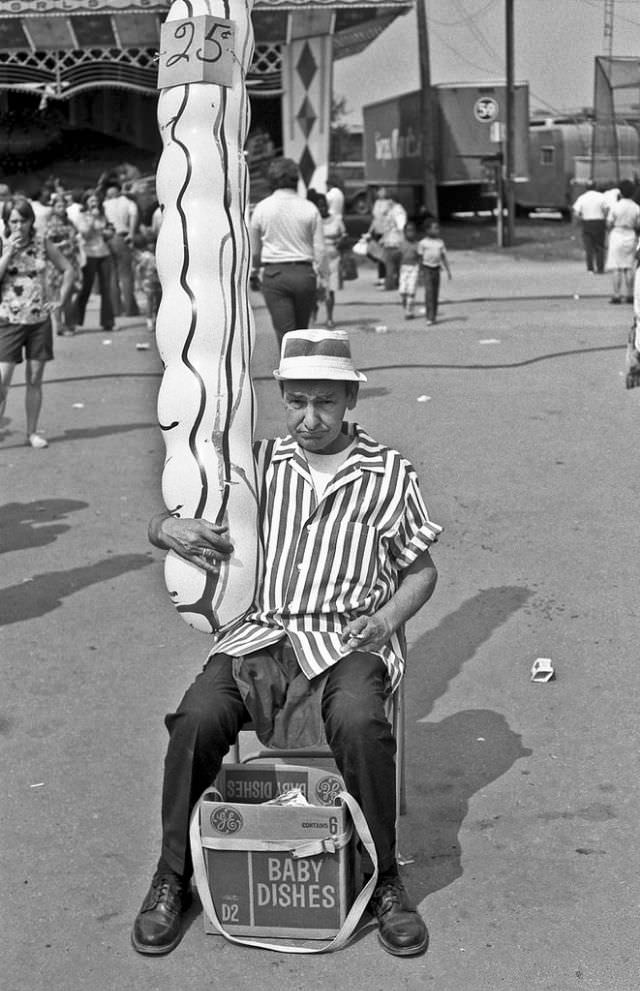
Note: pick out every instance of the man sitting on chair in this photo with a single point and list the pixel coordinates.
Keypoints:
(346, 540)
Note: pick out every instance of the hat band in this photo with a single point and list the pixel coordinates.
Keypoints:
(305, 347)
(313, 368)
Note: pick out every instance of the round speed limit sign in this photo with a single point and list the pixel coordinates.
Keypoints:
(485, 109)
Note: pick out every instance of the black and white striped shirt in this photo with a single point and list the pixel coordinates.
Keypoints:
(331, 560)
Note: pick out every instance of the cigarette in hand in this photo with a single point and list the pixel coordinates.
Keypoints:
(352, 636)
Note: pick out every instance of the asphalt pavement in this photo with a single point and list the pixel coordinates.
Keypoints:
(521, 825)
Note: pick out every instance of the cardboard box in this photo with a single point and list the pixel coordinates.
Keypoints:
(278, 871)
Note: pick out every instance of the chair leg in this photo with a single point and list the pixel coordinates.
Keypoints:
(401, 800)
(400, 735)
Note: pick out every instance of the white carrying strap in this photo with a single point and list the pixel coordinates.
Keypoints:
(349, 924)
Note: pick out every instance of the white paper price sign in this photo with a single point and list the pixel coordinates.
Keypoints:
(196, 50)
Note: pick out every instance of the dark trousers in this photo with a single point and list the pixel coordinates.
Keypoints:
(212, 712)
(290, 294)
(431, 290)
(392, 261)
(593, 237)
(102, 268)
(123, 299)
(377, 255)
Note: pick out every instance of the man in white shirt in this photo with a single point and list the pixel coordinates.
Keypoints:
(591, 210)
(123, 214)
(287, 240)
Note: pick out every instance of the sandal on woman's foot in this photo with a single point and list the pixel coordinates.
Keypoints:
(36, 441)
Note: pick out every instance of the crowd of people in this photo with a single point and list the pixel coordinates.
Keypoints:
(103, 221)
(100, 239)
(57, 245)
(302, 252)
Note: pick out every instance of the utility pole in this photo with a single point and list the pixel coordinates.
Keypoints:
(510, 130)
(607, 34)
(430, 193)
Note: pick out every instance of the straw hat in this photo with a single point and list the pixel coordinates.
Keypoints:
(317, 354)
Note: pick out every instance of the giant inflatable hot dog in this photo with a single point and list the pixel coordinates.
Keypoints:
(205, 325)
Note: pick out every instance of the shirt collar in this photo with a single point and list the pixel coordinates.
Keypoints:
(367, 453)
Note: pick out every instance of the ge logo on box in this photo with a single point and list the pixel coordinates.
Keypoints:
(226, 820)
(328, 789)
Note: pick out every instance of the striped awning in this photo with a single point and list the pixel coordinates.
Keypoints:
(61, 47)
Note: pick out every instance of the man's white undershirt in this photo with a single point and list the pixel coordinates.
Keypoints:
(324, 466)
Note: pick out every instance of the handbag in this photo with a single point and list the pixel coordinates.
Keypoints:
(348, 266)
(361, 247)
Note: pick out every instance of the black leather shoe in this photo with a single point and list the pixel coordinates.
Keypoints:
(401, 930)
(158, 925)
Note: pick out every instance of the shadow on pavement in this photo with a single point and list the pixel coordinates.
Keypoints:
(86, 433)
(462, 753)
(454, 641)
(460, 756)
(108, 430)
(35, 524)
(43, 593)
(95, 378)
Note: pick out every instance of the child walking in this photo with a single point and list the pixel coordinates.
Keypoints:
(147, 283)
(409, 269)
(433, 256)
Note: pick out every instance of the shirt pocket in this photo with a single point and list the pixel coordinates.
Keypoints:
(352, 558)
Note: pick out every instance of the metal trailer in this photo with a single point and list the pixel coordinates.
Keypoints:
(466, 147)
(561, 163)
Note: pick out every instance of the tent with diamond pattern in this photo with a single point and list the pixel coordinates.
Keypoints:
(96, 61)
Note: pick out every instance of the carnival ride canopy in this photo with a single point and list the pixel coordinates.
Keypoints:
(61, 48)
